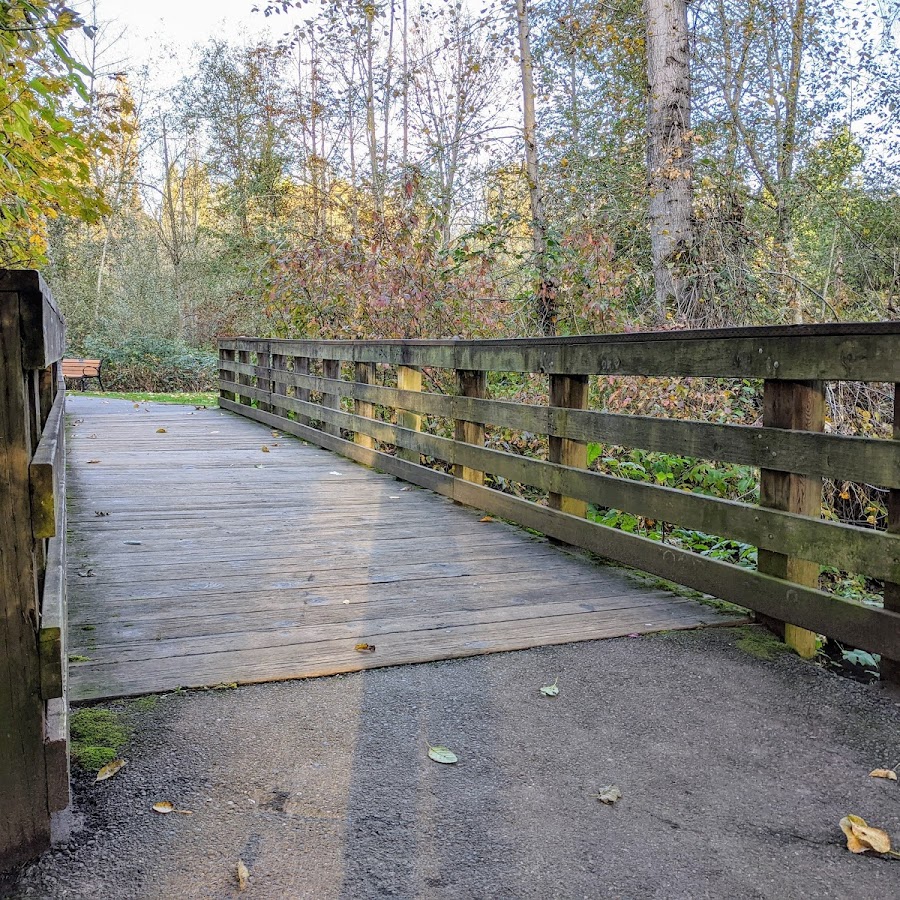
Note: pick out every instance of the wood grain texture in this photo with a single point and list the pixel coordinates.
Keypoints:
(220, 563)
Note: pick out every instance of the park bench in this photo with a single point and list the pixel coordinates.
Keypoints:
(82, 369)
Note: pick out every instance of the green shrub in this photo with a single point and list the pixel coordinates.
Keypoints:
(153, 364)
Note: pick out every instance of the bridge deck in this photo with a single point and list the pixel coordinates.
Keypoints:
(197, 558)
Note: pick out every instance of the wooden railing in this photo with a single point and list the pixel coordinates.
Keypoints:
(276, 382)
(34, 762)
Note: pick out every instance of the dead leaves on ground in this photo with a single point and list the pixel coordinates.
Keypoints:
(442, 755)
(111, 769)
(160, 430)
(862, 837)
(365, 648)
(167, 806)
(243, 875)
(609, 794)
(551, 690)
(889, 774)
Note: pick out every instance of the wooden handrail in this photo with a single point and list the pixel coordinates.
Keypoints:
(786, 525)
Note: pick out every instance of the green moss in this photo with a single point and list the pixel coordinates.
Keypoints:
(758, 642)
(144, 704)
(97, 737)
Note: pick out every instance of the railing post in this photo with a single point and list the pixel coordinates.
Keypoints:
(225, 372)
(890, 668)
(279, 388)
(569, 392)
(331, 368)
(799, 406)
(470, 384)
(243, 378)
(264, 382)
(364, 373)
(409, 379)
(301, 367)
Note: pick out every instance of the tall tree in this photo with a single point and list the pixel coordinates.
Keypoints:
(669, 154)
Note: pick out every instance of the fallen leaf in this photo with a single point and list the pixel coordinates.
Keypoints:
(160, 430)
(264, 448)
(365, 648)
(99, 512)
(550, 690)
(345, 601)
(111, 768)
(393, 496)
(609, 794)
(406, 489)
(132, 543)
(163, 806)
(276, 434)
(442, 755)
(862, 837)
(243, 875)
(85, 573)
(92, 461)
(486, 519)
(137, 405)
(199, 407)
(890, 774)
(334, 473)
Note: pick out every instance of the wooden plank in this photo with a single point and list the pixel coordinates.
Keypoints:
(301, 369)
(568, 392)
(799, 405)
(264, 380)
(409, 379)
(846, 620)
(42, 327)
(853, 351)
(864, 460)
(25, 823)
(364, 373)
(244, 359)
(470, 384)
(44, 471)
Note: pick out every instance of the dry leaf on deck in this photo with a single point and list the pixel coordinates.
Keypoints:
(85, 573)
(550, 690)
(160, 430)
(365, 648)
(243, 875)
(110, 769)
(485, 519)
(166, 806)
(890, 774)
(442, 755)
(264, 448)
(92, 461)
(609, 794)
(862, 837)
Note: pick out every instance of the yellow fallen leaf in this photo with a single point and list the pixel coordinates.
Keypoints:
(486, 519)
(243, 875)
(111, 768)
(163, 806)
(265, 449)
(160, 430)
(862, 837)
(365, 648)
(890, 774)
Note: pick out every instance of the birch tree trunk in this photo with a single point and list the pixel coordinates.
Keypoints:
(669, 158)
(545, 297)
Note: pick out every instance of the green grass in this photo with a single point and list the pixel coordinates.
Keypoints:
(200, 398)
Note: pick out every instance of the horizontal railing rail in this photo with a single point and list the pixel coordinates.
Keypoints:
(34, 759)
(327, 392)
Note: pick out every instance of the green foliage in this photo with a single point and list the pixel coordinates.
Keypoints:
(155, 364)
(46, 149)
(97, 737)
(757, 641)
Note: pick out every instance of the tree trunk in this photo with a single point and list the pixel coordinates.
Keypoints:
(545, 298)
(669, 157)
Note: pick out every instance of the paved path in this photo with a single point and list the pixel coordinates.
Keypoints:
(205, 548)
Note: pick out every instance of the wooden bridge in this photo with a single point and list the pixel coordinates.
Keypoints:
(209, 546)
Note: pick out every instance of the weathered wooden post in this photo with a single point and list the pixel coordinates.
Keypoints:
(797, 405)
(409, 379)
(279, 387)
(470, 384)
(568, 392)
(890, 668)
(244, 377)
(331, 368)
(301, 367)
(364, 373)
(226, 358)
(264, 379)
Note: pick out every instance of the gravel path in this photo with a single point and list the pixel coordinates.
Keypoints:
(734, 772)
